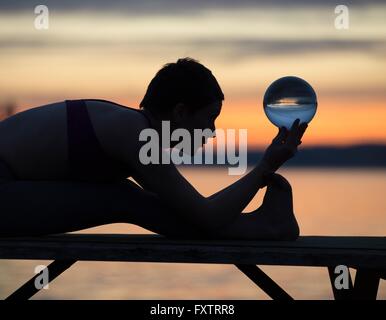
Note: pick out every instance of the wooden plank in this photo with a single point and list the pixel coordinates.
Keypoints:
(304, 241)
(358, 252)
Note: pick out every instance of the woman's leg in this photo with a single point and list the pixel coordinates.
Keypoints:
(47, 207)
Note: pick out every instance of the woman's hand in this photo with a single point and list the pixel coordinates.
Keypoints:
(283, 146)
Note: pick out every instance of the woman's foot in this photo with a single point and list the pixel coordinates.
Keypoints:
(273, 220)
(277, 209)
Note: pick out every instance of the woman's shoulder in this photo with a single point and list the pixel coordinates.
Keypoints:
(105, 103)
(114, 107)
(116, 120)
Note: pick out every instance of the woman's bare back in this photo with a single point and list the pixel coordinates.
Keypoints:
(34, 143)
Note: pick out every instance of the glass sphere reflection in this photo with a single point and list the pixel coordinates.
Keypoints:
(288, 99)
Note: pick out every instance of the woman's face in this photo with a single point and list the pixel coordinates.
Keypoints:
(200, 118)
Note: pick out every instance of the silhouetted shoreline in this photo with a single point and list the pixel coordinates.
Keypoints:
(360, 156)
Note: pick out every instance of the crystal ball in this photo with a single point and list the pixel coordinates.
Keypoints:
(287, 99)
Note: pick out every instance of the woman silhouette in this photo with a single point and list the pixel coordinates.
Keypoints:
(64, 167)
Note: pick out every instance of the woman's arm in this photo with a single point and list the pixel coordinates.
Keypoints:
(209, 213)
(282, 148)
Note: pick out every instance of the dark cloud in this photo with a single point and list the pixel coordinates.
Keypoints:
(159, 6)
(229, 48)
(250, 47)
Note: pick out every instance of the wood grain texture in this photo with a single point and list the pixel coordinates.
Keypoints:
(356, 252)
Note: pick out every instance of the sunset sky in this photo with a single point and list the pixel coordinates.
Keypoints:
(111, 50)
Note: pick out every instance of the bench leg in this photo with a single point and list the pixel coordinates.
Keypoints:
(365, 286)
(28, 289)
(342, 294)
(262, 280)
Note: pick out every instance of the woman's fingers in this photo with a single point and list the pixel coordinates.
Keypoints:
(281, 135)
(302, 128)
(295, 125)
(296, 133)
(293, 134)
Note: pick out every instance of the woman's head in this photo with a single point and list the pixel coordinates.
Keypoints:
(186, 93)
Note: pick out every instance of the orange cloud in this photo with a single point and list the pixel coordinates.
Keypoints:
(337, 122)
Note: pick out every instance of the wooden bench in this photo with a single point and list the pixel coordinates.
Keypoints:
(366, 254)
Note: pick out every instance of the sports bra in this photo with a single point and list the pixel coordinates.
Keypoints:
(87, 160)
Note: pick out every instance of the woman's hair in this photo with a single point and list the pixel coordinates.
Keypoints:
(185, 81)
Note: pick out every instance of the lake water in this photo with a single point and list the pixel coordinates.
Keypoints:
(326, 202)
(285, 115)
